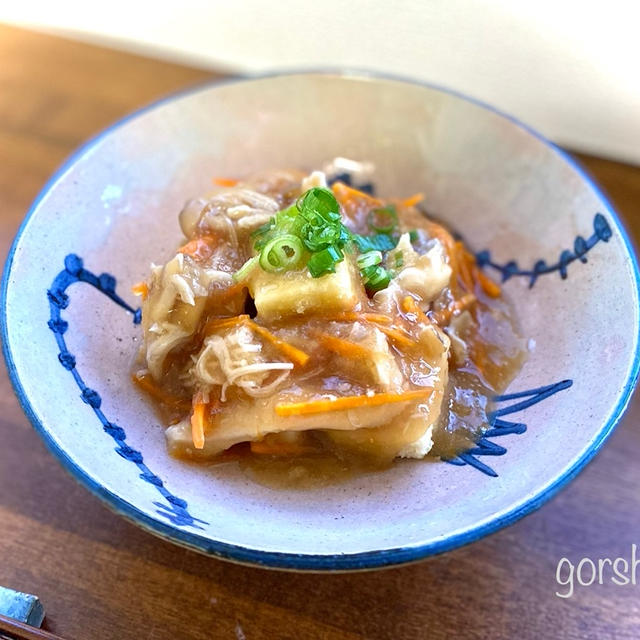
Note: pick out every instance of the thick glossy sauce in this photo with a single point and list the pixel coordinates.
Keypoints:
(495, 355)
(463, 418)
(462, 421)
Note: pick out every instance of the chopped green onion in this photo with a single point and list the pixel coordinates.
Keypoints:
(318, 238)
(260, 243)
(413, 235)
(281, 254)
(345, 238)
(324, 261)
(261, 230)
(311, 226)
(321, 202)
(288, 221)
(375, 277)
(368, 259)
(383, 220)
(380, 242)
(398, 259)
(242, 273)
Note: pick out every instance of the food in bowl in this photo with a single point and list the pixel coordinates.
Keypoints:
(307, 321)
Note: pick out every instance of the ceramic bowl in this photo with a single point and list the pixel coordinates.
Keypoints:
(534, 218)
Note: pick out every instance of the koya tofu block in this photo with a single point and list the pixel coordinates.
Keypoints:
(297, 292)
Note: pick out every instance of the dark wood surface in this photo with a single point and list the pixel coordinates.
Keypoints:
(101, 577)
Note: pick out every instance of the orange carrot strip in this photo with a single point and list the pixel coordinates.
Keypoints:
(488, 285)
(345, 195)
(342, 347)
(293, 353)
(225, 182)
(409, 305)
(463, 303)
(436, 230)
(399, 336)
(148, 384)
(197, 421)
(463, 260)
(413, 200)
(378, 318)
(354, 316)
(348, 402)
(455, 308)
(223, 323)
(200, 248)
(140, 289)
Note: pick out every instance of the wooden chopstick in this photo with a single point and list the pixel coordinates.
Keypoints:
(16, 630)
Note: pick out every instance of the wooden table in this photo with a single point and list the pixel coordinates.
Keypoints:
(101, 577)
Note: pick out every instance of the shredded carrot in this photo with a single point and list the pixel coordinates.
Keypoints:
(200, 248)
(444, 316)
(480, 356)
(413, 200)
(436, 230)
(348, 402)
(354, 350)
(297, 356)
(463, 303)
(378, 318)
(491, 288)
(225, 182)
(149, 385)
(198, 420)
(409, 305)
(464, 261)
(354, 316)
(399, 336)
(224, 323)
(346, 195)
(342, 347)
(141, 289)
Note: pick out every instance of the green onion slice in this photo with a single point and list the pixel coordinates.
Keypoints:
(368, 259)
(262, 229)
(324, 261)
(242, 273)
(319, 202)
(318, 238)
(380, 242)
(375, 277)
(281, 254)
(383, 220)
(309, 231)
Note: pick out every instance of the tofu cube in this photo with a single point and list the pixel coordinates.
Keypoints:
(278, 295)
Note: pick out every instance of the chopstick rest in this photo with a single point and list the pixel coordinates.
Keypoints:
(21, 606)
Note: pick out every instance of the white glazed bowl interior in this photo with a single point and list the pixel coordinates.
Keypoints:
(115, 205)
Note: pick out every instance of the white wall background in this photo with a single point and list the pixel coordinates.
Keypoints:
(571, 69)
